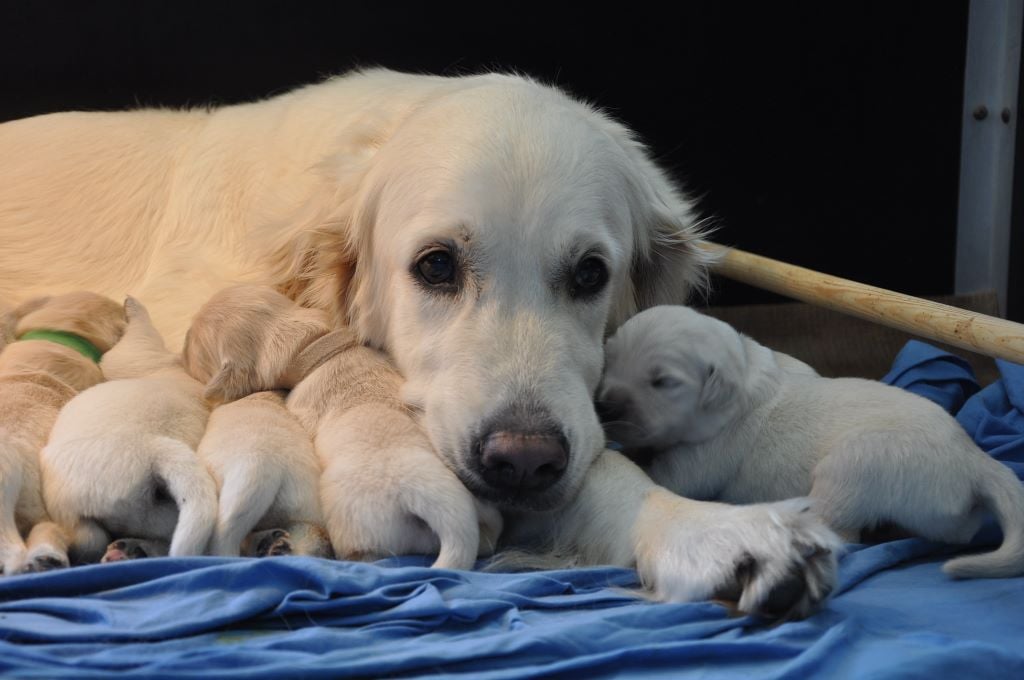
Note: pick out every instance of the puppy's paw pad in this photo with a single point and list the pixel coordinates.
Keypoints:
(128, 549)
(273, 543)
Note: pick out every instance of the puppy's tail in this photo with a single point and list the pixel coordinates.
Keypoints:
(194, 492)
(1002, 493)
(448, 509)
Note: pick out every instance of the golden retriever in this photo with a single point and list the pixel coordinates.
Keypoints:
(485, 231)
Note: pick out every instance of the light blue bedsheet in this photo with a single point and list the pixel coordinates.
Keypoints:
(895, 615)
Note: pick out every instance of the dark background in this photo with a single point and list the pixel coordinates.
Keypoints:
(824, 134)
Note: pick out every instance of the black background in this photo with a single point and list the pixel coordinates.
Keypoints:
(825, 134)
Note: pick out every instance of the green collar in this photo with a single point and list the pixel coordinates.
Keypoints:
(75, 342)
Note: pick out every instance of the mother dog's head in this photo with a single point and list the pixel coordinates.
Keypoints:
(497, 234)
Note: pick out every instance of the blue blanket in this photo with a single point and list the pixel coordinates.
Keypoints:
(895, 613)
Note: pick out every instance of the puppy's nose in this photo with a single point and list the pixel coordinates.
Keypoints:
(613, 404)
(522, 461)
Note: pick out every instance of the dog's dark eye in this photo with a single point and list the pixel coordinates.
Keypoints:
(589, 277)
(436, 268)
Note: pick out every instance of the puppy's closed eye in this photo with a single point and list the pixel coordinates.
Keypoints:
(664, 382)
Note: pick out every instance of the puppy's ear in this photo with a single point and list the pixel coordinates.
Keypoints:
(229, 383)
(718, 390)
(29, 306)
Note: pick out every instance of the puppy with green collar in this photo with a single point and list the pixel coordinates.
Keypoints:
(55, 346)
(712, 414)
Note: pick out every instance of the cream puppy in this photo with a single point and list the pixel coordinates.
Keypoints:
(263, 460)
(121, 458)
(59, 341)
(267, 477)
(716, 415)
(383, 490)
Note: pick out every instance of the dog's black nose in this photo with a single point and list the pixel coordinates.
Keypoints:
(522, 461)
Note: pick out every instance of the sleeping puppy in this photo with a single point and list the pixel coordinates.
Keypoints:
(383, 490)
(261, 458)
(716, 415)
(121, 458)
(59, 342)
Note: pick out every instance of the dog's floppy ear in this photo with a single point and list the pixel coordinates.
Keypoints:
(668, 260)
(314, 248)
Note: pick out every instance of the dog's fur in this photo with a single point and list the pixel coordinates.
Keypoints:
(37, 377)
(382, 489)
(121, 457)
(726, 418)
(334, 192)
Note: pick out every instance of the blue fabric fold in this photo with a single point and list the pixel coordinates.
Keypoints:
(894, 615)
(946, 379)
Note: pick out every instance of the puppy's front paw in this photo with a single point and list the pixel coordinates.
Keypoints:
(776, 560)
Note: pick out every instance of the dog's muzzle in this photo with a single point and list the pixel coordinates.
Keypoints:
(519, 455)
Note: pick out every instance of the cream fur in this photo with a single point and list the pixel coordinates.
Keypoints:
(116, 445)
(734, 421)
(382, 490)
(331, 193)
(37, 378)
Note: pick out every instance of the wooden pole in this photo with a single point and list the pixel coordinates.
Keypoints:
(979, 333)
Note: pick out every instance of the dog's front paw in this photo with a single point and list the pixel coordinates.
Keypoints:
(776, 560)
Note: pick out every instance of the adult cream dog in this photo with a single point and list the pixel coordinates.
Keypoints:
(484, 231)
(61, 340)
(720, 416)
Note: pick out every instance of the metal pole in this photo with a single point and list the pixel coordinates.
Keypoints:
(987, 146)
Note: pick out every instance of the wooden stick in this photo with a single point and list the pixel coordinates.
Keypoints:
(972, 331)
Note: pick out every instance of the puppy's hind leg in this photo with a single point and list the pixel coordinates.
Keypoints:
(843, 495)
(47, 548)
(194, 492)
